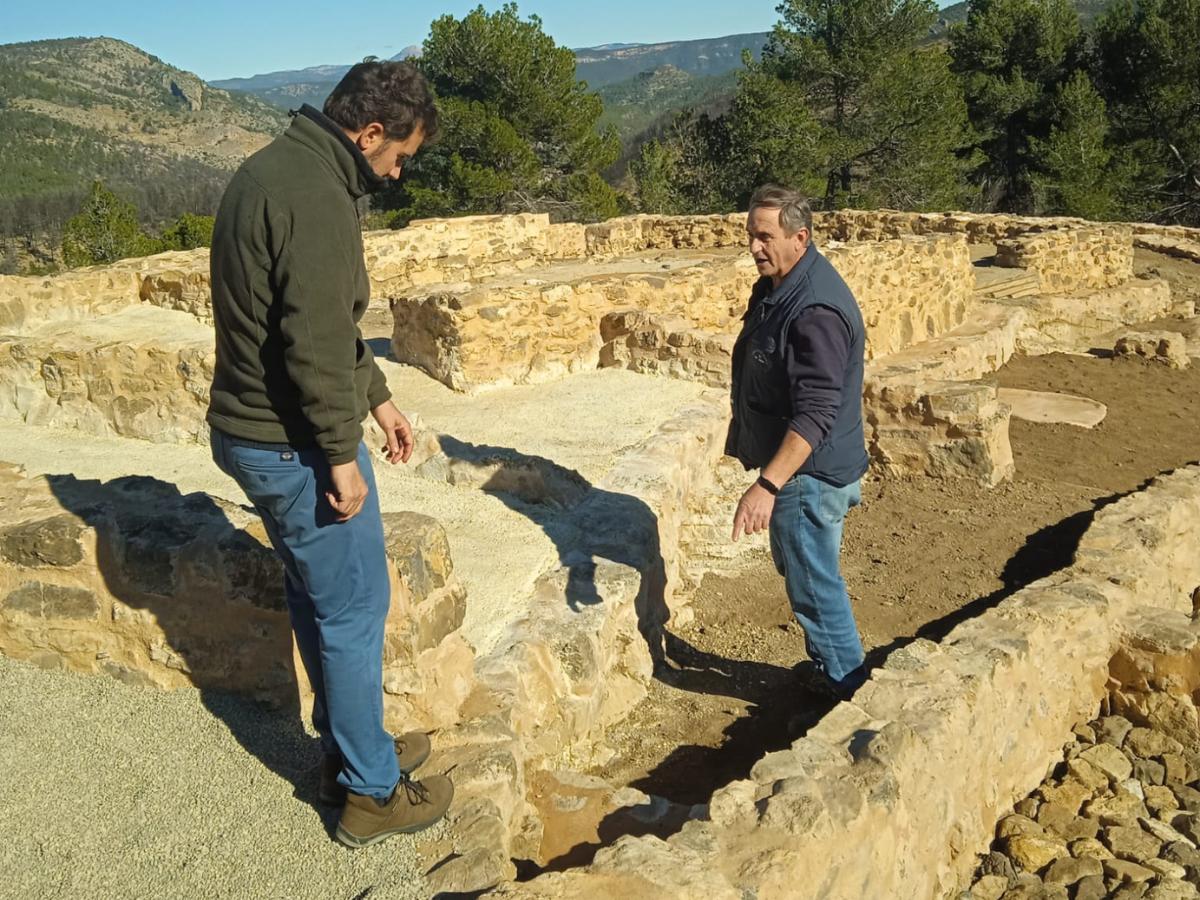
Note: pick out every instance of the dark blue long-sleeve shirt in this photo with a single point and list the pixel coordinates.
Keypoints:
(816, 351)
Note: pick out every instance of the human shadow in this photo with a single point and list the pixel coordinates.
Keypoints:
(176, 563)
(587, 524)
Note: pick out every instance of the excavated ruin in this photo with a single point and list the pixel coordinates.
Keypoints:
(568, 491)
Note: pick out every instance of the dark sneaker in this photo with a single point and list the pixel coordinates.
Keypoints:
(413, 806)
(412, 749)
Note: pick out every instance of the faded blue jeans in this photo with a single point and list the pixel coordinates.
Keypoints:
(337, 589)
(806, 543)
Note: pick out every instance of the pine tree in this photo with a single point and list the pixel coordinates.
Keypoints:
(876, 118)
(689, 168)
(1012, 56)
(1077, 175)
(105, 230)
(519, 130)
(188, 232)
(1148, 66)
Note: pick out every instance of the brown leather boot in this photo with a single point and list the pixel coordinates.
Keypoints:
(413, 806)
(412, 749)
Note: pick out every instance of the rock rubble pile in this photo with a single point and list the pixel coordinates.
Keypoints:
(1119, 817)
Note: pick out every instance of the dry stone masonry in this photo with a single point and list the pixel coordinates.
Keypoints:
(898, 792)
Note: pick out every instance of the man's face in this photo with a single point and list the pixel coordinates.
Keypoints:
(387, 157)
(774, 252)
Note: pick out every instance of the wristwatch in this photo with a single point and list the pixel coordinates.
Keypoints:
(767, 485)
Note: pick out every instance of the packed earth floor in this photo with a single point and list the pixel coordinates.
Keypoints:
(919, 557)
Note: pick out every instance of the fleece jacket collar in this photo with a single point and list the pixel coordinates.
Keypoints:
(323, 136)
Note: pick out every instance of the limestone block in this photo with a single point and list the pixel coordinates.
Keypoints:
(1109, 760)
(1165, 347)
(665, 346)
(1126, 872)
(1179, 247)
(146, 584)
(983, 343)
(179, 281)
(431, 605)
(957, 430)
(1070, 871)
(443, 251)
(28, 301)
(1048, 406)
(141, 372)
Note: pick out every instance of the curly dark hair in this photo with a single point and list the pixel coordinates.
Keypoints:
(394, 94)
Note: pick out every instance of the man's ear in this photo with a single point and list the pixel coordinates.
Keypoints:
(370, 137)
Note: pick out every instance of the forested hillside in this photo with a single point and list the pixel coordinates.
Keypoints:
(77, 110)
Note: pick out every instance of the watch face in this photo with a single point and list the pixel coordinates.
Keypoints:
(770, 345)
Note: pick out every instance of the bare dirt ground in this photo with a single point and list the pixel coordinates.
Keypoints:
(920, 556)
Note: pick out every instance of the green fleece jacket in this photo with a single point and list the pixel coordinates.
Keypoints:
(289, 286)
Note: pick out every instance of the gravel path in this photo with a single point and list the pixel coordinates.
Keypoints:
(113, 791)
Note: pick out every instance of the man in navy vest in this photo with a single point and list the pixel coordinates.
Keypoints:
(797, 416)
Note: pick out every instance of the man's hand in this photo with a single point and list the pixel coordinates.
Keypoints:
(397, 430)
(753, 511)
(348, 490)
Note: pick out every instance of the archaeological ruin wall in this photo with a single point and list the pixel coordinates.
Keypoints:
(485, 306)
(899, 791)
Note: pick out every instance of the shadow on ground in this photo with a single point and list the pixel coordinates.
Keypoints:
(163, 553)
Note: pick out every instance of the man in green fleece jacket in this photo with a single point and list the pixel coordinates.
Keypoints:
(293, 382)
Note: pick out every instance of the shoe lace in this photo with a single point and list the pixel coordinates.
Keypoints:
(414, 790)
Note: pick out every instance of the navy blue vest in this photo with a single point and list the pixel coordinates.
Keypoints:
(761, 400)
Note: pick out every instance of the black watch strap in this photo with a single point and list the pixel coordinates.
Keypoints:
(767, 486)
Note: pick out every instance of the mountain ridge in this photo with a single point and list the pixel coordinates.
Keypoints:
(76, 110)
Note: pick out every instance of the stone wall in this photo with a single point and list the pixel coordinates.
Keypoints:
(910, 289)
(468, 337)
(131, 579)
(140, 372)
(445, 251)
(481, 336)
(1066, 261)
(897, 791)
(636, 234)
(70, 296)
(175, 280)
(656, 345)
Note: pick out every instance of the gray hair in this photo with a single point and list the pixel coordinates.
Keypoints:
(795, 212)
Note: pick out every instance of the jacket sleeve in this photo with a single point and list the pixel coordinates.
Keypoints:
(377, 388)
(818, 347)
(314, 284)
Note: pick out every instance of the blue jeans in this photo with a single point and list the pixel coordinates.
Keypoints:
(338, 593)
(806, 542)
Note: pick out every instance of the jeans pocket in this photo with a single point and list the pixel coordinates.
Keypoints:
(260, 460)
(834, 502)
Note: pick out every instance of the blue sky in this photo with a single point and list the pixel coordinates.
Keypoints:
(226, 38)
